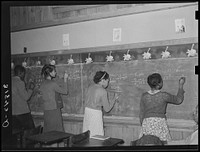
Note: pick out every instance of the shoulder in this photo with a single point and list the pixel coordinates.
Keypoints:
(165, 94)
(98, 89)
(144, 95)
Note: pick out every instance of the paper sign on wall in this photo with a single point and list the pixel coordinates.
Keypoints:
(180, 25)
(116, 34)
(65, 39)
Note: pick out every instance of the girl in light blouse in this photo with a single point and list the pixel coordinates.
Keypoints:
(96, 101)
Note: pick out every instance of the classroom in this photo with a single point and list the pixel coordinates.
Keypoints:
(129, 41)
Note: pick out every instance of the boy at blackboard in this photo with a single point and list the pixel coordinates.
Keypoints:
(153, 107)
(21, 93)
(96, 99)
(49, 88)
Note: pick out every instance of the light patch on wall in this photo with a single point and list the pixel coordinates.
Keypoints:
(180, 25)
(65, 39)
(117, 35)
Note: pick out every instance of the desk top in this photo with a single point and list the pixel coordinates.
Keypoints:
(100, 143)
(50, 137)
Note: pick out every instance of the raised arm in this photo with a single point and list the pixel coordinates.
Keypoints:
(25, 94)
(107, 105)
(60, 90)
(177, 99)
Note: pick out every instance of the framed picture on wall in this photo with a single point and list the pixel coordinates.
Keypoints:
(180, 25)
(117, 34)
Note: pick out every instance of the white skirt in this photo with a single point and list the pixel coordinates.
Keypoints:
(93, 121)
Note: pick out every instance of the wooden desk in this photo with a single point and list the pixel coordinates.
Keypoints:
(51, 137)
(100, 143)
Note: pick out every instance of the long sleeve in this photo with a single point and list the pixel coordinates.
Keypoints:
(60, 90)
(25, 94)
(20, 97)
(176, 99)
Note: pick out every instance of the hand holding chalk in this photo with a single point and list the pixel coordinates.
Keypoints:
(116, 97)
(65, 76)
(182, 80)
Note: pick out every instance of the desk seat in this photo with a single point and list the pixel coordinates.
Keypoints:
(50, 137)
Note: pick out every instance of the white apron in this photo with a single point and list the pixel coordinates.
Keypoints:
(93, 121)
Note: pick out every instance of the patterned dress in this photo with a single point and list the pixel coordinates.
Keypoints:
(152, 112)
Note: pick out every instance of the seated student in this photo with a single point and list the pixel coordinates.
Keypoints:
(193, 138)
(147, 140)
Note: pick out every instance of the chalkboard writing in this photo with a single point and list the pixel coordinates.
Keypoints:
(72, 103)
(130, 77)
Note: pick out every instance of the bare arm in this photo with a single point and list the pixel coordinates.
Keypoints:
(107, 105)
(141, 115)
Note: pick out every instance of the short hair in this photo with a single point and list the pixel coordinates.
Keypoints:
(154, 80)
(19, 69)
(100, 75)
(47, 69)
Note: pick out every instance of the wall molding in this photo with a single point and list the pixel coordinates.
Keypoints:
(110, 48)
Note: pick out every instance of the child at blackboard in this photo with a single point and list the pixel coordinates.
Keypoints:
(49, 88)
(21, 114)
(96, 101)
(153, 107)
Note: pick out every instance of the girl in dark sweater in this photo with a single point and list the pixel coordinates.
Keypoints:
(153, 106)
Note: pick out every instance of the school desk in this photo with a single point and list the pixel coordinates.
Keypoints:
(50, 137)
(99, 143)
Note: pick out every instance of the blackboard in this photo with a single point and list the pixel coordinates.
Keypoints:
(130, 77)
(72, 103)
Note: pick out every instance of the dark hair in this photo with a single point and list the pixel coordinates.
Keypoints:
(148, 140)
(154, 80)
(47, 69)
(19, 70)
(100, 75)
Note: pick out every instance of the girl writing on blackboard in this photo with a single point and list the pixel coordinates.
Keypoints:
(96, 101)
(153, 106)
(49, 88)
